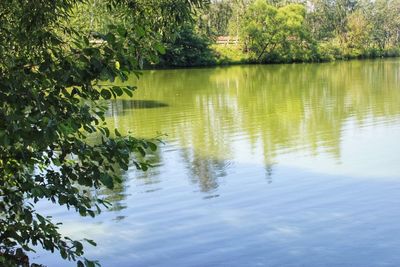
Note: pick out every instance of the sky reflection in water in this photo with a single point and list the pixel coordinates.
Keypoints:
(280, 165)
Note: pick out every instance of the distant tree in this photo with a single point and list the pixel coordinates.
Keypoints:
(186, 49)
(214, 20)
(329, 18)
(358, 33)
(385, 19)
(265, 29)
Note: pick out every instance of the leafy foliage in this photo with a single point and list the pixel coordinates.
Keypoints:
(272, 31)
(292, 31)
(187, 49)
(53, 76)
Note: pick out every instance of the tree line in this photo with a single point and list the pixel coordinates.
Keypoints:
(269, 31)
(274, 31)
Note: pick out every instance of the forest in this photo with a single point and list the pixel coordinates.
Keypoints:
(302, 31)
(269, 31)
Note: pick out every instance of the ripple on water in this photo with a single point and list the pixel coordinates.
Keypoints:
(284, 165)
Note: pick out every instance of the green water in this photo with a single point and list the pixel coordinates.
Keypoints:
(278, 165)
(279, 107)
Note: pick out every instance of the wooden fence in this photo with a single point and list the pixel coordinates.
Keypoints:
(225, 40)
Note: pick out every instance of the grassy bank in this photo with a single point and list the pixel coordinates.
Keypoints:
(234, 54)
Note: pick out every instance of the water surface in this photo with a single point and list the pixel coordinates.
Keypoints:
(278, 165)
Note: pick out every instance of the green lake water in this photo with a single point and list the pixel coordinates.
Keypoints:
(273, 165)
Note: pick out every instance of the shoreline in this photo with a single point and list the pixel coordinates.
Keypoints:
(249, 62)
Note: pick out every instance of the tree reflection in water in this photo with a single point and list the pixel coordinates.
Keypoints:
(209, 113)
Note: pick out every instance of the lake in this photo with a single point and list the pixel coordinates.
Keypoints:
(262, 165)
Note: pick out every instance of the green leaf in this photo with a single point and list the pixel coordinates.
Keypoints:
(91, 242)
(117, 65)
(144, 166)
(82, 212)
(78, 246)
(152, 146)
(142, 151)
(127, 91)
(91, 213)
(110, 37)
(89, 263)
(107, 131)
(118, 91)
(122, 31)
(88, 129)
(123, 165)
(63, 253)
(107, 180)
(160, 48)
(27, 217)
(40, 218)
(139, 31)
(106, 94)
